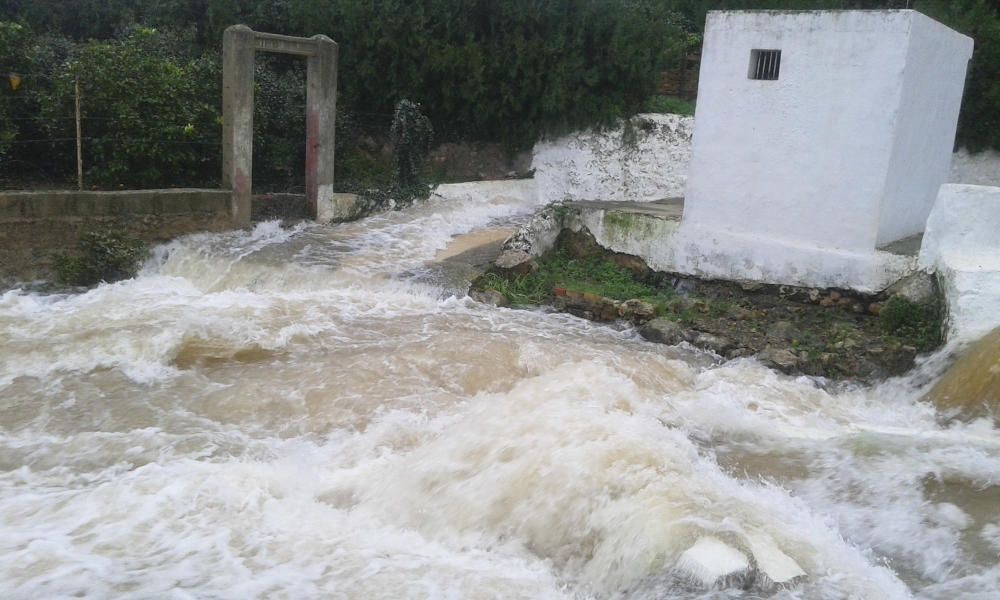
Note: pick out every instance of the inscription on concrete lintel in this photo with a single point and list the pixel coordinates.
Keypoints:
(284, 44)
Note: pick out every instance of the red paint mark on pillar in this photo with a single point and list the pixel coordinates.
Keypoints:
(241, 183)
(312, 160)
(241, 196)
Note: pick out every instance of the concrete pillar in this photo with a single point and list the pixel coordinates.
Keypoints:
(321, 116)
(237, 119)
(239, 43)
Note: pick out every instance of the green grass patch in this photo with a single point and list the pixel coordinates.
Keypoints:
(586, 275)
(669, 104)
(914, 324)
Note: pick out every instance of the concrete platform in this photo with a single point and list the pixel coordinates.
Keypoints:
(671, 208)
(657, 233)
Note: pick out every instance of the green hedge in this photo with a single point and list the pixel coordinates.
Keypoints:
(482, 70)
(506, 71)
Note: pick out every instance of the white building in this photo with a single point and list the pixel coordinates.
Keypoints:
(820, 137)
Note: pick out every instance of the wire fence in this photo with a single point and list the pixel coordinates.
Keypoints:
(60, 150)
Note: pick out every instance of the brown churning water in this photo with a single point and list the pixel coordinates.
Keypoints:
(317, 413)
(970, 389)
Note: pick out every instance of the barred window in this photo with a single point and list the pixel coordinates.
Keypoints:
(765, 64)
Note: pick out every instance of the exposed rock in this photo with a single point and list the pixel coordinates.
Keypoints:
(784, 330)
(634, 264)
(517, 262)
(789, 328)
(491, 297)
(715, 343)
(636, 311)
(781, 359)
(739, 313)
(588, 306)
(539, 234)
(918, 287)
(664, 331)
(579, 244)
(846, 344)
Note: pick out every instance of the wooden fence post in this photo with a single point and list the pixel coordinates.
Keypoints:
(79, 141)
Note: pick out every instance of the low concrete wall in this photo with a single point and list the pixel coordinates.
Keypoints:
(34, 225)
(289, 207)
(962, 246)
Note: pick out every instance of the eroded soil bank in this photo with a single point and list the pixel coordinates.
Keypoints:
(837, 334)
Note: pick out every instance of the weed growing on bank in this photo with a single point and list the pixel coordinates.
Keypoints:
(835, 334)
(105, 256)
(916, 324)
(593, 275)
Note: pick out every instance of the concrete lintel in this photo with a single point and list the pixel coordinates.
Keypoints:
(240, 43)
(285, 44)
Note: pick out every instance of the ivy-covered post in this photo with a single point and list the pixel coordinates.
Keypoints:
(411, 134)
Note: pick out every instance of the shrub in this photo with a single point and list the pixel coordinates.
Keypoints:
(151, 112)
(13, 60)
(917, 324)
(979, 123)
(103, 257)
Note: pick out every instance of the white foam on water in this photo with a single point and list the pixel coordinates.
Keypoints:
(290, 413)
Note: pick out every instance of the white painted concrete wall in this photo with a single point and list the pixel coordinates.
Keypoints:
(798, 180)
(962, 245)
(515, 191)
(802, 159)
(606, 165)
(926, 120)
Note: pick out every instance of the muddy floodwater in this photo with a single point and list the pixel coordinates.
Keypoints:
(320, 412)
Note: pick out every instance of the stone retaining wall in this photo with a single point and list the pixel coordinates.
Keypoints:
(34, 225)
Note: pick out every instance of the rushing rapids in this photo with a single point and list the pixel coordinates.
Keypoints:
(315, 412)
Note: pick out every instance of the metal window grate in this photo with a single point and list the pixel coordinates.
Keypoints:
(765, 64)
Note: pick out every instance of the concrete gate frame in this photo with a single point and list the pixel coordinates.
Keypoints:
(239, 46)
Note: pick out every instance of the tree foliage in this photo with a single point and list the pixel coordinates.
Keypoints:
(482, 70)
(508, 71)
(151, 109)
(979, 124)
